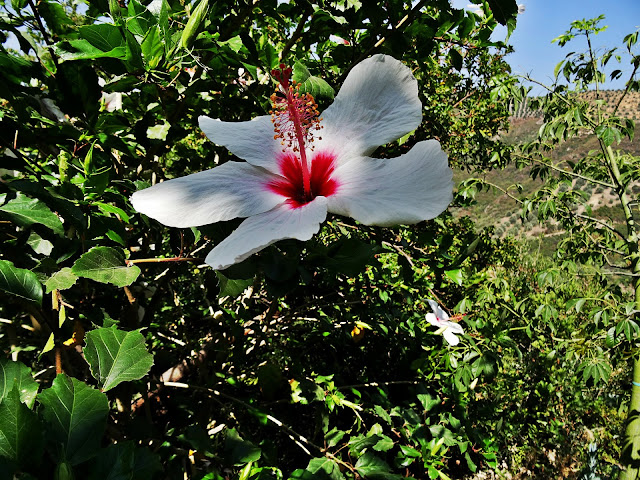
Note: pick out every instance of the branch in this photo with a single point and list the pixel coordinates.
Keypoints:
(626, 90)
(573, 174)
(298, 32)
(587, 117)
(504, 191)
(626, 274)
(163, 260)
(380, 384)
(43, 30)
(407, 18)
(400, 251)
(599, 222)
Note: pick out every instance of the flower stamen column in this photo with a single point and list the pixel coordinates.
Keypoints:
(294, 116)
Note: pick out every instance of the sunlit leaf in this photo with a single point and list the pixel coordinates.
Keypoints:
(116, 356)
(27, 211)
(20, 282)
(105, 265)
(61, 280)
(16, 374)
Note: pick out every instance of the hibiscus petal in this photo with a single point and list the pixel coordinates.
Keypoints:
(455, 328)
(408, 189)
(260, 231)
(378, 103)
(439, 312)
(252, 140)
(432, 319)
(234, 189)
(450, 337)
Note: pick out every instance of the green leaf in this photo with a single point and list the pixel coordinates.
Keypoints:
(61, 280)
(134, 51)
(428, 401)
(455, 275)
(18, 5)
(116, 356)
(384, 444)
(608, 135)
(82, 49)
(334, 436)
(55, 16)
(21, 438)
(27, 211)
(16, 374)
(456, 59)
(194, 23)
(316, 86)
(382, 413)
(124, 461)
(465, 27)
(39, 244)
(108, 208)
(234, 43)
(503, 10)
(159, 132)
(105, 265)
(103, 36)
(369, 465)
(48, 346)
(326, 466)
(350, 256)
(152, 47)
(20, 282)
(77, 415)
(241, 451)
(232, 287)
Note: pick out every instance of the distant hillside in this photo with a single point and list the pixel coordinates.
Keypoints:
(629, 108)
(494, 209)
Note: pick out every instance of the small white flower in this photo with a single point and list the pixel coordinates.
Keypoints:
(112, 101)
(447, 328)
(313, 165)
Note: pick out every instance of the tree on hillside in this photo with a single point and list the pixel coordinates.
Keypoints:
(605, 247)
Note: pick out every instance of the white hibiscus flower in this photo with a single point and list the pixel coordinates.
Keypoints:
(300, 165)
(447, 328)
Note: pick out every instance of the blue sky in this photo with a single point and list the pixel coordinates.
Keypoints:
(544, 20)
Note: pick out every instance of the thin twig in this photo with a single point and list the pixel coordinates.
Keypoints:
(297, 33)
(400, 251)
(408, 18)
(561, 170)
(380, 384)
(163, 260)
(600, 222)
(626, 90)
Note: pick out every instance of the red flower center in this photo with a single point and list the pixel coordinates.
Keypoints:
(291, 185)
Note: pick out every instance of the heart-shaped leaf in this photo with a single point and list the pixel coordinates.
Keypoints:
(116, 356)
(77, 416)
(105, 265)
